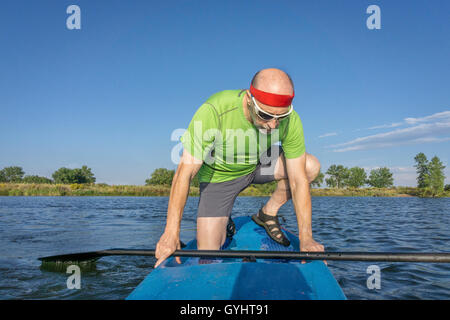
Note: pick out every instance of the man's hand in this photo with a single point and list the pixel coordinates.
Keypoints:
(310, 245)
(167, 245)
(170, 240)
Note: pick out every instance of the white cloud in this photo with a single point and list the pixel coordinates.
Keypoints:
(403, 169)
(392, 125)
(445, 115)
(437, 116)
(72, 165)
(404, 176)
(328, 134)
(423, 133)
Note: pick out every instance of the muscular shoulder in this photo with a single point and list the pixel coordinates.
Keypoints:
(225, 100)
(293, 140)
(291, 124)
(212, 110)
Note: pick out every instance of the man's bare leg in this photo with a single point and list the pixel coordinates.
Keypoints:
(282, 193)
(211, 232)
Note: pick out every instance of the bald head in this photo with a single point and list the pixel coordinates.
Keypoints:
(274, 81)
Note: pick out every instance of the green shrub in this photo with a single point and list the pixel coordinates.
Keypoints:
(15, 192)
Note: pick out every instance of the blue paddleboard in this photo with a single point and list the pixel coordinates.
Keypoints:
(234, 279)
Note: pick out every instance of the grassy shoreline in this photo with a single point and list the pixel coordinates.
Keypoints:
(22, 189)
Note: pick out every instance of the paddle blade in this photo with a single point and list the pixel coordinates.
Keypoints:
(73, 257)
(59, 266)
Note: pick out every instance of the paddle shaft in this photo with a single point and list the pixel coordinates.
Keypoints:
(289, 255)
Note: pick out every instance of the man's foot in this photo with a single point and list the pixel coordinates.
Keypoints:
(272, 226)
(231, 228)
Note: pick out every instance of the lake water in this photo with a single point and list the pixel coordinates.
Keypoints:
(32, 227)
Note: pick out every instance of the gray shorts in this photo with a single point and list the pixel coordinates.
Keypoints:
(217, 199)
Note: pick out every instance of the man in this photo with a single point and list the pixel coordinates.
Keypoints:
(230, 144)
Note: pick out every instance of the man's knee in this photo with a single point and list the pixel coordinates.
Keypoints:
(280, 172)
(312, 167)
(211, 232)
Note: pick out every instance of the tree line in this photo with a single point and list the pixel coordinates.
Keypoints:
(355, 177)
(430, 179)
(63, 175)
(339, 177)
(430, 176)
(163, 176)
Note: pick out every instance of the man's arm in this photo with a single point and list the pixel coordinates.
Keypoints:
(170, 240)
(301, 198)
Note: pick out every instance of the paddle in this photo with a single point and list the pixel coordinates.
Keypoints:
(290, 255)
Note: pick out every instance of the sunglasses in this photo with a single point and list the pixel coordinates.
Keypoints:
(266, 116)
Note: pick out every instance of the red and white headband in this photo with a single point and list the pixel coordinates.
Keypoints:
(272, 99)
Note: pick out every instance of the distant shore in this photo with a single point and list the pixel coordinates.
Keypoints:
(22, 189)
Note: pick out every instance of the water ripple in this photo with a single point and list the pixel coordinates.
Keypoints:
(31, 227)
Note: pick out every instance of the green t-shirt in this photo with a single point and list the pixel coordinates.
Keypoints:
(228, 144)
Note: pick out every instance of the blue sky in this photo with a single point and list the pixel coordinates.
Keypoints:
(110, 95)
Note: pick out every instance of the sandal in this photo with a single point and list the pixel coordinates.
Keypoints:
(273, 229)
(231, 228)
